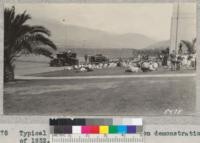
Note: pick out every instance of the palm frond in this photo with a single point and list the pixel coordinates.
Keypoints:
(40, 29)
(30, 42)
(21, 19)
(27, 30)
(40, 39)
(9, 15)
(26, 48)
(42, 51)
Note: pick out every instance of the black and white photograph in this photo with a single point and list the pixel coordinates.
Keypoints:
(103, 59)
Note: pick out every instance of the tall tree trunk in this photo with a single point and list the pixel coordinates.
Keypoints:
(8, 72)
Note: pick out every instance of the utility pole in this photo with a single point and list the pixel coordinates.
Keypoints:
(64, 22)
(177, 27)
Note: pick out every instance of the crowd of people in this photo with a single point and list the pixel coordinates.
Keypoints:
(143, 63)
(177, 60)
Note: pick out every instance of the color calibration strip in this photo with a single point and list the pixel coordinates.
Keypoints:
(98, 129)
(117, 130)
(96, 126)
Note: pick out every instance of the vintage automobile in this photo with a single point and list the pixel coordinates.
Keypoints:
(64, 59)
(98, 58)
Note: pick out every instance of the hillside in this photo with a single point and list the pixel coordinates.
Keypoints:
(71, 36)
(161, 45)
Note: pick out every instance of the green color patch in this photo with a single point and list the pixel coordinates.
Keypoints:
(113, 129)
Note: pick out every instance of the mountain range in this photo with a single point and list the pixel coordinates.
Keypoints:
(73, 36)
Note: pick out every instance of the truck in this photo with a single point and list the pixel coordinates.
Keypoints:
(98, 58)
(64, 59)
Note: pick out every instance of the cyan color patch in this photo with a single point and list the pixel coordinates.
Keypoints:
(122, 129)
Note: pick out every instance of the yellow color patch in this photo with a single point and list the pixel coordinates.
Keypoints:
(103, 129)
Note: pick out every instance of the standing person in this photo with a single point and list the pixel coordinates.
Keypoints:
(180, 50)
(173, 60)
(178, 62)
(179, 58)
(86, 58)
(193, 60)
(165, 58)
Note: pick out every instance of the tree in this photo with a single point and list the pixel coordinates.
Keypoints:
(22, 38)
(190, 46)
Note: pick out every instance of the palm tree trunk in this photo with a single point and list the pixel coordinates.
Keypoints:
(8, 72)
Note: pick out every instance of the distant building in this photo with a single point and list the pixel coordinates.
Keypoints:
(183, 25)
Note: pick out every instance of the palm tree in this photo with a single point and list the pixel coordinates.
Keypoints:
(22, 38)
(190, 46)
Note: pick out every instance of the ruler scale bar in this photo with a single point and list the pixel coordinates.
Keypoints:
(97, 139)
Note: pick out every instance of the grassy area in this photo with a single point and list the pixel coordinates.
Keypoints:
(133, 96)
(106, 71)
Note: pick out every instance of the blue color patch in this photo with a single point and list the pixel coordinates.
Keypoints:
(131, 129)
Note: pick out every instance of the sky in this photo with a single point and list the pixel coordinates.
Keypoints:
(152, 20)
